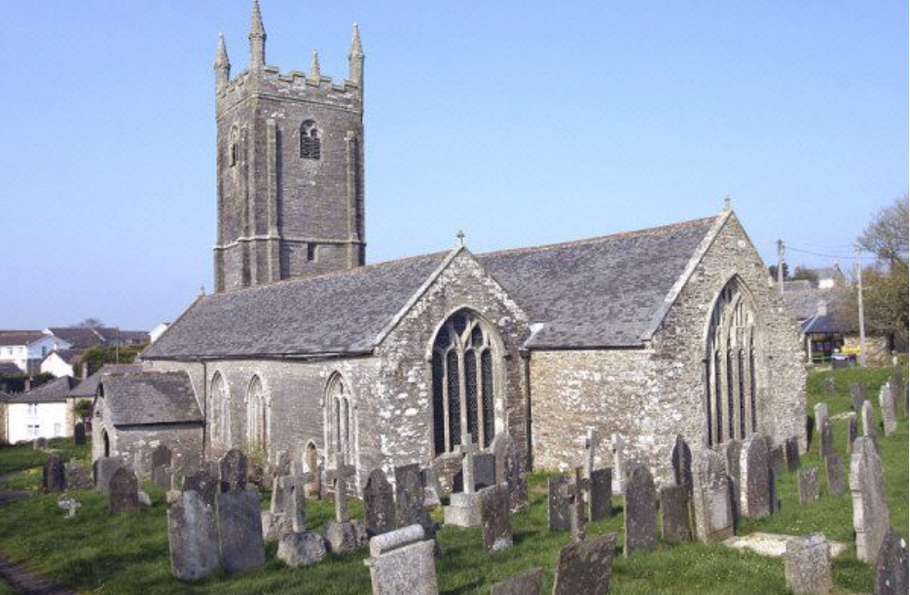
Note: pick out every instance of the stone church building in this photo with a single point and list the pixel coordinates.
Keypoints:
(646, 335)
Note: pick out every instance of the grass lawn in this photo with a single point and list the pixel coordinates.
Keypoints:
(129, 554)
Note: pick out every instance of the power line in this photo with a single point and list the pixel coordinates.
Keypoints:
(835, 256)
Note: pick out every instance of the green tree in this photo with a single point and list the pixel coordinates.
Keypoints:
(97, 356)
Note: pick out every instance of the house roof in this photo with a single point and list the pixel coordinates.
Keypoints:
(146, 398)
(55, 391)
(11, 338)
(78, 337)
(9, 368)
(70, 356)
(89, 386)
(803, 302)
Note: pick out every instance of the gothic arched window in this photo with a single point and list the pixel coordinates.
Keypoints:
(731, 391)
(219, 411)
(463, 383)
(257, 416)
(310, 142)
(341, 418)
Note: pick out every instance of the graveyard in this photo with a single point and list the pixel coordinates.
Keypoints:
(95, 551)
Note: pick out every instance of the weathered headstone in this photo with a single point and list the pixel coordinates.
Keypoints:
(808, 485)
(53, 475)
(79, 433)
(192, 537)
(807, 566)
(869, 429)
(826, 440)
(409, 500)
(203, 482)
(529, 583)
(287, 510)
(484, 470)
(837, 479)
(772, 491)
(578, 516)
(103, 470)
(755, 496)
(379, 504)
(464, 507)
(617, 449)
(233, 471)
(39, 443)
(674, 514)
(495, 518)
(821, 414)
(402, 562)
(123, 491)
(777, 459)
(302, 548)
(77, 476)
(601, 494)
(889, 415)
(682, 464)
(591, 444)
(162, 477)
(830, 387)
(858, 393)
(585, 567)
(639, 512)
(558, 504)
(161, 456)
(852, 431)
(871, 518)
(344, 535)
(516, 478)
(791, 451)
(498, 447)
(732, 450)
(240, 530)
(711, 497)
(891, 569)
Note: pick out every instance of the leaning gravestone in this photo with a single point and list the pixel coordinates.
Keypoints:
(409, 497)
(378, 504)
(681, 458)
(791, 451)
(495, 518)
(192, 537)
(674, 514)
(79, 433)
(515, 477)
(808, 485)
(529, 583)
(161, 456)
(240, 530)
(102, 470)
(712, 506)
(891, 569)
(837, 480)
(558, 504)
(53, 476)
(203, 482)
(233, 470)
(585, 567)
(807, 566)
(871, 519)
(858, 393)
(821, 414)
(402, 562)
(639, 513)
(869, 429)
(755, 497)
(886, 402)
(852, 432)
(826, 440)
(123, 491)
(601, 493)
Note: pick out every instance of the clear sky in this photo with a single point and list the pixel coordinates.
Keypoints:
(520, 122)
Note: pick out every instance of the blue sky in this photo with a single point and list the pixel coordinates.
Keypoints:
(520, 122)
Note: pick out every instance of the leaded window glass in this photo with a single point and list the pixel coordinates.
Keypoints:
(310, 143)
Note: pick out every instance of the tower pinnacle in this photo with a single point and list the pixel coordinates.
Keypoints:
(257, 38)
(315, 75)
(222, 64)
(355, 57)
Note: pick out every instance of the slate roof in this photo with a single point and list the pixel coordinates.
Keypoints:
(70, 356)
(89, 386)
(9, 368)
(12, 338)
(78, 337)
(804, 302)
(55, 391)
(146, 398)
(601, 292)
(337, 313)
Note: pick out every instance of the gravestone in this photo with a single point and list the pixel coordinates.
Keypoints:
(516, 478)
(755, 497)
(495, 518)
(162, 477)
(837, 479)
(402, 562)
(830, 386)
(732, 450)
(464, 507)
(77, 476)
(233, 471)
(161, 456)
(891, 568)
(871, 518)
(821, 414)
(558, 504)
(585, 567)
(409, 500)
(79, 433)
(39, 443)
(601, 494)
(639, 513)
(53, 475)
(791, 452)
(344, 535)
(826, 440)
(378, 504)
(102, 470)
(682, 464)
(617, 448)
(431, 488)
(282, 465)
(777, 459)
(808, 485)
(852, 432)
(858, 393)
(301, 548)
(192, 537)
(203, 482)
(886, 403)
(674, 514)
(529, 583)
(574, 492)
(807, 566)
(240, 530)
(869, 430)
(772, 491)
(484, 470)
(287, 509)
(123, 491)
(712, 506)
(498, 448)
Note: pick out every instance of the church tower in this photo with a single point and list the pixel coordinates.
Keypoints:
(290, 168)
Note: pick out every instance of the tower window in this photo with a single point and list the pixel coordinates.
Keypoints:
(311, 252)
(310, 143)
(233, 154)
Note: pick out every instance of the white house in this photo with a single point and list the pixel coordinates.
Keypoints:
(60, 363)
(44, 412)
(26, 349)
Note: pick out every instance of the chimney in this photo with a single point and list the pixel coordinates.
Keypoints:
(27, 385)
(85, 370)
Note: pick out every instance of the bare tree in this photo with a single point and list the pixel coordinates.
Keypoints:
(886, 235)
(89, 322)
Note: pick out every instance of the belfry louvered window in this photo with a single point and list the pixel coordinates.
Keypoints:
(310, 142)
(463, 383)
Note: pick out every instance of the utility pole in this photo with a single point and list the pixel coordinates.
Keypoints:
(780, 266)
(859, 301)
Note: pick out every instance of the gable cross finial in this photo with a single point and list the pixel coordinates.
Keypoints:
(728, 203)
(460, 238)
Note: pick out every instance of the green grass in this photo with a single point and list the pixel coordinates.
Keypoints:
(23, 456)
(128, 554)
